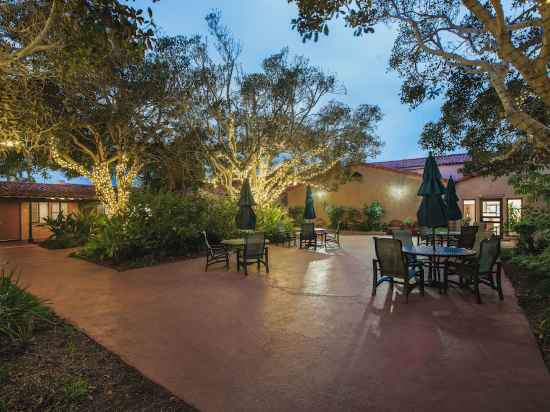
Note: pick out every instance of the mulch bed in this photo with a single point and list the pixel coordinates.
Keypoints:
(534, 304)
(62, 369)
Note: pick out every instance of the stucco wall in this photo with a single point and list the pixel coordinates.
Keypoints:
(446, 171)
(395, 190)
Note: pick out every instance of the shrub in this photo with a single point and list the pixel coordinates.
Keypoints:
(335, 214)
(272, 220)
(159, 225)
(71, 231)
(20, 312)
(296, 213)
(373, 214)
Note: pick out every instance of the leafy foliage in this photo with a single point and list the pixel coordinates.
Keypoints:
(72, 230)
(20, 312)
(296, 213)
(490, 60)
(368, 218)
(533, 251)
(272, 220)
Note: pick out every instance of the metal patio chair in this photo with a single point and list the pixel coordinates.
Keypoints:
(254, 251)
(486, 269)
(308, 236)
(215, 253)
(391, 265)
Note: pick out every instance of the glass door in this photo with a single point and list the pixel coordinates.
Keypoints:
(491, 215)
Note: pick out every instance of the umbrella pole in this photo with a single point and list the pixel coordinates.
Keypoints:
(433, 238)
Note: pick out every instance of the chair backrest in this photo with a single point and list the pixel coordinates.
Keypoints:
(206, 240)
(405, 236)
(254, 245)
(489, 252)
(308, 230)
(481, 235)
(467, 237)
(391, 260)
(425, 231)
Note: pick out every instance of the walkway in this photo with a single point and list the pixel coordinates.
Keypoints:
(308, 337)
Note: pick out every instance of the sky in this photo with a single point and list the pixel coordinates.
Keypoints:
(360, 63)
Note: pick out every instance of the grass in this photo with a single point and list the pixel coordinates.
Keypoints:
(48, 365)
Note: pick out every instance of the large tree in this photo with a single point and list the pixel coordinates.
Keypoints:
(84, 101)
(272, 126)
(477, 51)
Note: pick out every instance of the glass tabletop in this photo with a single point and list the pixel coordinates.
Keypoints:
(440, 251)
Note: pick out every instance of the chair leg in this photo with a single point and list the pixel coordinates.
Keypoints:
(406, 287)
(476, 289)
(266, 260)
(206, 266)
(499, 283)
(245, 267)
(374, 279)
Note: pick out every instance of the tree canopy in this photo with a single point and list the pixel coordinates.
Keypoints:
(490, 58)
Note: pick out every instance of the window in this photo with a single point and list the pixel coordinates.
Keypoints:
(55, 210)
(35, 212)
(469, 208)
(65, 208)
(513, 213)
(491, 215)
(43, 212)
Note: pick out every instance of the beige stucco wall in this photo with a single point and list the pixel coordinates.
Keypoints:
(446, 170)
(487, 188)
(395, 190)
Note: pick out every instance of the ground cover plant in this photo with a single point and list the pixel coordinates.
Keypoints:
(528, 267)
(47, 365)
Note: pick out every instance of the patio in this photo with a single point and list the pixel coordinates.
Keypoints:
(308, 336)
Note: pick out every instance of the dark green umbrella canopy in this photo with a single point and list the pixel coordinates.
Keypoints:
(309, 211)
(433, 210)
(246, 218)
(453, 211)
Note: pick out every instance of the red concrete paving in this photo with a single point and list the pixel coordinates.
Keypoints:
(306, 337)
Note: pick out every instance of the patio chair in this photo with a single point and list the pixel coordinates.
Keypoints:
(466, 239)
(485, 269)
(285, 236)
(333, 238)
(254, 251)
(424, 235)
(308, 236)
(215, 253)
(391, 265)
(406, 238)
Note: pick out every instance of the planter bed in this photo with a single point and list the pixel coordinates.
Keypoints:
(62, 369)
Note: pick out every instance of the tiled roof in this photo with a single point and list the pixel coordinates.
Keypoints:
(419, 162)
(24, 190)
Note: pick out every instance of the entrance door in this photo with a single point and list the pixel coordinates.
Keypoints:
(491, 215)
(10, 220)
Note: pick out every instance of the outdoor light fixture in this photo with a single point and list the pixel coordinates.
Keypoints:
(398, 192)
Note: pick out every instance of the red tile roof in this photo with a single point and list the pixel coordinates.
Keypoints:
(419, 162)
(24, 190)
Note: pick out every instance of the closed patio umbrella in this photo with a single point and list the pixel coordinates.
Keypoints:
(433, 210)
(246, 218)
(453, 211)
(309, 211)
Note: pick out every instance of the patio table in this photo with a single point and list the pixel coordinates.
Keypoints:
(319, 231)
(237, 242)
(434, 254)
(443, 235)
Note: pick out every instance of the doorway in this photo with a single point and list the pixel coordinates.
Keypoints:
(491, 215)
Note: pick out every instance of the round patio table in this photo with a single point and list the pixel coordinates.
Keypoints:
(441, 236)
(434, 254)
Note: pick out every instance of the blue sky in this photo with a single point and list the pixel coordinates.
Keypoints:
(263, 28)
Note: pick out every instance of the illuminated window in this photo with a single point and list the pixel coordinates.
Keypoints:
(470, 210)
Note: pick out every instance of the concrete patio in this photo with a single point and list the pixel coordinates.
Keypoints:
(306, 337)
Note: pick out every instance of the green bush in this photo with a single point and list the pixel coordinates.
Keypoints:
(296, 213)
(166, 224)
(20, 312)
(71, 231)
(273, 220)
(533, 250)
(367, 219)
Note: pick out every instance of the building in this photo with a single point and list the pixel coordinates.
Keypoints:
(483, 200)
(25, 206)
